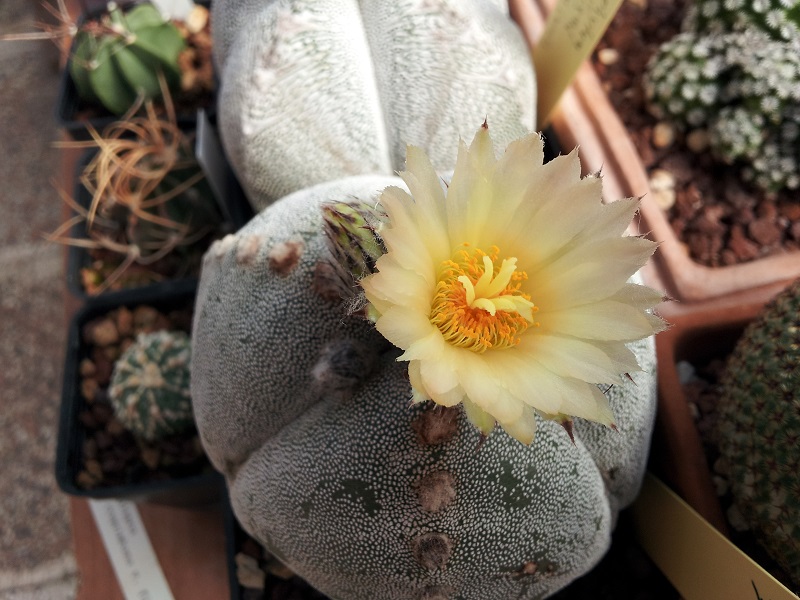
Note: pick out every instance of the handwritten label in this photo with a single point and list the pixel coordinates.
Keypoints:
(130, 551)
(571, 33)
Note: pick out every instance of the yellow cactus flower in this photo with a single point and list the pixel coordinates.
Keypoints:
(508, 291)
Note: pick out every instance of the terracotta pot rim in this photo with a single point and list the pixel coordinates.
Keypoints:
(586, 118)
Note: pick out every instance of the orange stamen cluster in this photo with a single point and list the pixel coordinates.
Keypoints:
(472, 327)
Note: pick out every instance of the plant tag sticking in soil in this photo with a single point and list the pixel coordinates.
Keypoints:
(174, 9)
(697, 559)
(572, 31)
(130, 551)
(211, 158)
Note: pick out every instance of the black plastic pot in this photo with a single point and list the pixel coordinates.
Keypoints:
(233, 205)
(69, 106)
(197, 485)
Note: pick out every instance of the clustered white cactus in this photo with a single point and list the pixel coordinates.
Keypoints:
(735, 72)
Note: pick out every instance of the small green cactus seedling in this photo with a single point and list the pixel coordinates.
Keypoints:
(120, 56)
(150, 385)
(760, 427)
(741, 83)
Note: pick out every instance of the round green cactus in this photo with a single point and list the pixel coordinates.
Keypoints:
(149, 388)
(316, 90)
(759, 428)
(307, 414)
(120, 56)
(744, 88)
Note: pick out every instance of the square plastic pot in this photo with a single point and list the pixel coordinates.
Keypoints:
(198, 489)
(73, 114)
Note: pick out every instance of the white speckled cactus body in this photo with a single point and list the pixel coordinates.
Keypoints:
(307, 414)
(316, 90)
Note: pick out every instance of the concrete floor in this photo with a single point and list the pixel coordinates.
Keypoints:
(36, 559)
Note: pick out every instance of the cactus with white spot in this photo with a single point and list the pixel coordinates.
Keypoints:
(306, 411)
(316, 90)
(739, 81)
(149, 388)
(780, 19)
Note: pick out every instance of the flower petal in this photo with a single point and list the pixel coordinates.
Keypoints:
(470, 194)
(526, 380)
(485, 390)
(588, 402)
(482, 420)
(405, 327)
(523, 428)
(440, 376)
(398, 285)
(604, 320)
(589, 273)
(570, 357)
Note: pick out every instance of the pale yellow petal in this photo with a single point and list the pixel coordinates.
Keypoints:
(398, 285)
(469, 201)
(404, 327)
(481, 419)
(526, 380)
(451, 397)
(404, 240)
(544, 192)
(484, 389)
(639, 296)
(522, 429)
(440, 376)
(516, 169)
(623, 359)
(429, 347)
(603, 320)
(559, 221)
(587, 402)
(418, 393)
(570, 357)
(590, 273)
(428, 209)
(613, 218)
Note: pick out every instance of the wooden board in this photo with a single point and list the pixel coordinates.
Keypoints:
(189, 544)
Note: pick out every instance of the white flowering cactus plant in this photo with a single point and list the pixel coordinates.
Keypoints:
(419, 390)
(734, 71)
(316, 90)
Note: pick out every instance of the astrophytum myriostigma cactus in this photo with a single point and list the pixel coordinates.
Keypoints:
(316, 90)
(366, 475)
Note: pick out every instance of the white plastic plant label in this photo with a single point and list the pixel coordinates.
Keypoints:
(128, 546)
(174, 9)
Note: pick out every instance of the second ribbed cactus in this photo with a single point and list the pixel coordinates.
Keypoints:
(120, 56)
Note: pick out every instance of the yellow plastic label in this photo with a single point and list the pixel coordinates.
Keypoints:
(697, 559)
(570, 34)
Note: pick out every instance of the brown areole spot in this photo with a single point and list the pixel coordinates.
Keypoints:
(436, 491)
(436, 424)
(247, 250)
(283, 257)
(432, 550)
